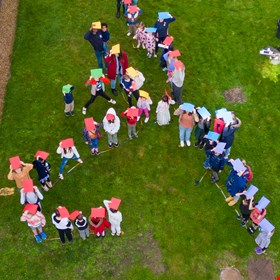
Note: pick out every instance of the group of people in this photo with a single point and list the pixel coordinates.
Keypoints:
(217, 143)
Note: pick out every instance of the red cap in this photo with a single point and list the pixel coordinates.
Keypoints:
(98, 212)
(115, 203)
(43, 155)
(132, 112)
(174, 53)
(73, 216)
(27, 185)
(15, 162)
(89, 123)
(31, 208)
(132, 9)
(168, 40)
(179, 65)
(110, 117)
(67, 143)
(63, 212)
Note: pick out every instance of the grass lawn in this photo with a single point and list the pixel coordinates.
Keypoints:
(173, 229)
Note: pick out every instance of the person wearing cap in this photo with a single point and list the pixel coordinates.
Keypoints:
(162, 111)
(97, 89)
(228, 133)
(68, 151)
(114, 216)
(132, 15)
(177, 81)
(162, 25)
(216, 162)
(111, 125)
(187, 119)
(63, 225)
(43, 169)
(94, 36)
(30, 194)
(131, 119)
(19, 171)
(246, 207)
(98, 223)
(117, 65)
(82, 225)
(68, 98)
(35, 220)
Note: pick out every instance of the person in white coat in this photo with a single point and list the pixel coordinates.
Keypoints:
(114, 216)
(163, 114)
(111, 125)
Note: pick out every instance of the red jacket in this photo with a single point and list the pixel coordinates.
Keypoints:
(257, 215)
(101, 227)
(129, 120)
(219, 126)
(112, 65)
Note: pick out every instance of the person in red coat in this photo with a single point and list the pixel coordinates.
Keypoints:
(117, 65)
(98, 222)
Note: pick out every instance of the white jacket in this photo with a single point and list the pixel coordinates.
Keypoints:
(113, 127)
(64, 223)
(114, 218)
(139, 80)
(30, 197)
(68, 154)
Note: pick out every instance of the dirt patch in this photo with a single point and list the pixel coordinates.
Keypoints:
(230, 274)
(260, 269)
(235, 95)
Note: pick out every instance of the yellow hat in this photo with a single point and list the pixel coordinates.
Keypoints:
(116, 49)
(144, 94)
(96, 25)
(131, 72)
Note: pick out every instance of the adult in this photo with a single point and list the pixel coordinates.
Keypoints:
(162, 23)
(217, 161)
(94, 36)
(117, 65)
(246, 207)
(177, 81)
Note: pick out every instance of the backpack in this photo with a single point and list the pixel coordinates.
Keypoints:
(250, 174)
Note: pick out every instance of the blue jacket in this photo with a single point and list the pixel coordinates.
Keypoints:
(68, 97)
(162, 27)
(235, 183)
(95, 40)
(217, 162)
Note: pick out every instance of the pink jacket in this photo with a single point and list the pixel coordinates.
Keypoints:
(35, 220)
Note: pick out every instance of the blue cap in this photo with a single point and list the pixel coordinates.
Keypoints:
(220, 147)
(220, 112)
(227, 117)
(251, 191)
(214, 136)
(163, 15)
(204, 113)
(238, 165)
(150, 29)
(263, 202)
(187, 107)
(266, 225)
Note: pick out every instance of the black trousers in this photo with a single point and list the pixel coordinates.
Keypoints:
(129, 97)
(119, 4)
(63, 232)
(98, 93)
(160, 40)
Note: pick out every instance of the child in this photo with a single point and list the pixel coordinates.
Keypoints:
(263, 239)
(19, 171)
(143, 104)
(126, 82)
(35, 220)
(105, 35)
(68, 151)
(97, 80)
(209, 142)
(150, 42)
(140, 35)
(163, 114)
(111, 125)
(98, 222)
(43, 169)
(80, 223)
(132, 14)
(115, 216)
(131, 120)
(30, 194)
(60, 219)
(91, 135)
(138, 80)
(68, 99)
(246, 207)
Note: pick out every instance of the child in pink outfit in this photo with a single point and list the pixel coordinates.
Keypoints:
(150, 44)
(143, 104)
(140, 35)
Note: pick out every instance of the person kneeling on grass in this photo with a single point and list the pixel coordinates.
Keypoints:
(98, 222)
(35, 220)
(115, 216)
(111, 125)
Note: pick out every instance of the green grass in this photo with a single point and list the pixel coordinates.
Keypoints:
(195, 230)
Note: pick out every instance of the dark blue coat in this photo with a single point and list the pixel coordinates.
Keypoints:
(95, 40)
(162, 27)
(217, 162)
(235, 183)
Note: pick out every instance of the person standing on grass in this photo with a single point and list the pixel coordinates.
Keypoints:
(97, 81)
(246, 207)
(263, 239)
(144, 105)
(35, 220)
(177, 81)
(30, 194)
(111, 125)
(203, 126)
(117, 61)
(131, 120)
(138, 80)
(81, 223)
(162, 24)
(119, 4)
(132, 15)
(128, 88)
(94, 36)
(105, 36)
(43, 169)
(19, 171)
(114, 216)
(68, 151)
(162, 111)
(60, 219)
(187, 118)
(98, 222)
(68, 100)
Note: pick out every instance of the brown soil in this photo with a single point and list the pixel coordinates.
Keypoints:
(8, 15)
(235, 95)
(230, 274)
(260, 269)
